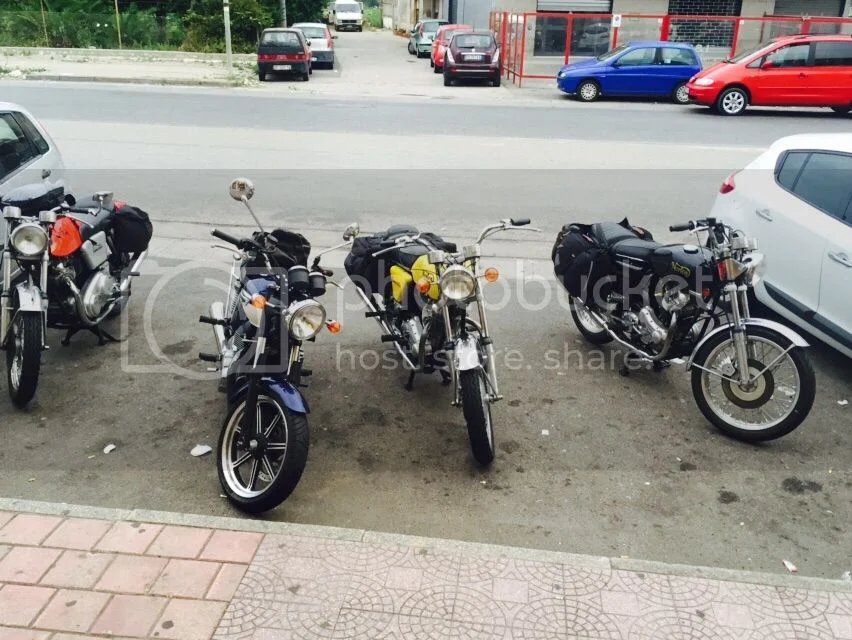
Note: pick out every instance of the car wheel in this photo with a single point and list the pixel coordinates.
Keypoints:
(431, 63)
(841, 110)
(261, 76)
(732, 102)
(411, 49)
(495, 82)
(588, 91)
(680, 95)
(437, 69)
(448, 82)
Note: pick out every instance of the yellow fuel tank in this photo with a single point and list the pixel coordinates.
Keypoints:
(401, 279)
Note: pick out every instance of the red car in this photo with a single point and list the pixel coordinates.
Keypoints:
(472, 55)
(439, 44)
(793, 71)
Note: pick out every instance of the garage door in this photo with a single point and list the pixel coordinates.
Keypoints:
(588, 6)
(808, 7)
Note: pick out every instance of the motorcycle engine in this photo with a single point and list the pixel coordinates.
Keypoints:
(98, 292)
(645, 326)
(412, 330)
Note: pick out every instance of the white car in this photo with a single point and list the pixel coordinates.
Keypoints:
(27, 152)
(321, 42)
(796, 199)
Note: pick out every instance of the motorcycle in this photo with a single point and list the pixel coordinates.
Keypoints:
(66, 265)
(751, 377)
(270, 311)
(419, 288)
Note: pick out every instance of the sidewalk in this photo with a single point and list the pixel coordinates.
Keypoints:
(77, 572)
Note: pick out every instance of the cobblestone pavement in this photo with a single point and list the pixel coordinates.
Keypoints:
(114, 575)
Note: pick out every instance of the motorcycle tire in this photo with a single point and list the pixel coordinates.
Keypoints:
(590, 329)
(240, 491)
(800, 410)
(23, 357)
(477, 414)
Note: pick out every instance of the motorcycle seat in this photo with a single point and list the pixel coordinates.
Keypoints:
(610, 233)
(635, 248)
(93, 223)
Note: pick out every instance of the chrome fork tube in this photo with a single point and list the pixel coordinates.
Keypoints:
(490, 368)
(738, 328)
(450, 340)
(45, 264)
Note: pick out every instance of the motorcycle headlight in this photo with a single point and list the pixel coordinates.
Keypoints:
(457, 283)
(305, 319)
(29, 240)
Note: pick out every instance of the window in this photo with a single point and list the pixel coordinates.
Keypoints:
(317, 33)
(796, 55)
(833, 54)
(675, 57)
(32, 133)
(822, 179)
(281, 37)
(637, 57)
(15, 149)
(472, 42)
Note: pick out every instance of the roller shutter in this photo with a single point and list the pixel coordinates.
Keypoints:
(808, 7)
(587, 6)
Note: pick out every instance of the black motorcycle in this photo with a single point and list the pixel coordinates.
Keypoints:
(270, 311)
(66, 264)
(751, 377)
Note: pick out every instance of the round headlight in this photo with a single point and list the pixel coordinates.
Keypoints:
(305, 319)
(29, 240)
(457, 283)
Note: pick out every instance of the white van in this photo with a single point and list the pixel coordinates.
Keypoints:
(348, 14)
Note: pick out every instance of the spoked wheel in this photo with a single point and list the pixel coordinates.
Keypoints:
(259, 472)
(23, 357)
(477, 414)
(680, 95)
(592, 330)
(774, 404)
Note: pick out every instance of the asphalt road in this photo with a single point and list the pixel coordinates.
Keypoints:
(588, 462)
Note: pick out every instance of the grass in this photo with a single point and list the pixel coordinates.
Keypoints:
(373, 17)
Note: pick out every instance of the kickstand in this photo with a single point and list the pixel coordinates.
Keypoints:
(103, 336)
(410, 384)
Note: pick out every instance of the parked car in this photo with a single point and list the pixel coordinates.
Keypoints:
(472, 55)
(420, 41)
(283, 51)
(796, 199)
(439, 44)
(793, 71)
(27, 152)
(321, 42)
(348, 15)
(641, 69)
(594, 39)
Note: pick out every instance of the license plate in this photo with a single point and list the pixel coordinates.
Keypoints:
(313, 59)
(474, 58)
(282, 67)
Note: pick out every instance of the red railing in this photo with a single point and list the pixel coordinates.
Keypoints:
(536, 44)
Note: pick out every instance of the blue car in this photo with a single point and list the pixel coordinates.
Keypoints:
(641, 69)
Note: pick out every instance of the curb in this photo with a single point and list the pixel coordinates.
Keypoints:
(143, 81)
(436, 544)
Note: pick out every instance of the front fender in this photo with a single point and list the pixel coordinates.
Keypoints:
(784, 330)
(29, 297)
(284, 391)
(467, 353)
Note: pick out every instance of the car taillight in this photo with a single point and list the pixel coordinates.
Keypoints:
(728, 185)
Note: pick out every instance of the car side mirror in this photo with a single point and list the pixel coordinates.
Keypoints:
(769, 64)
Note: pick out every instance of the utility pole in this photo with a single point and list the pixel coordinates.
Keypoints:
(226, 7)
(44, 24)
(118, 24)
(283, 13)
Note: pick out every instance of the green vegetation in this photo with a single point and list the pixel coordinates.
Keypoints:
(373, 17)
(187, 25)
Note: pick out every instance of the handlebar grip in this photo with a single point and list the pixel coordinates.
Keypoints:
(689, 226)
(520, 222)
(226, 237)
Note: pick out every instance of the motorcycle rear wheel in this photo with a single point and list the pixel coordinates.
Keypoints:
(728, 406)
(591, 329)
(279, 461)
(477, 414)
(23, 357)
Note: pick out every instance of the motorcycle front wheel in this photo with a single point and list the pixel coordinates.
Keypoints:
(259, 473)
(477, 414)
(776, 402)
(23, 357)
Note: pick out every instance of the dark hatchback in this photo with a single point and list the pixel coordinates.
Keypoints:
(474, 55)
(283, 51)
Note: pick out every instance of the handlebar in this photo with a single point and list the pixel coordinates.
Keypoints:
(520, 222)
(689, 226)
(227, 238)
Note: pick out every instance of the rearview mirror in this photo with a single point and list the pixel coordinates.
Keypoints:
(351, 231)
(241, 189)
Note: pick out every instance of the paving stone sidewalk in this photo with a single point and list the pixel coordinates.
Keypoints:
(119, 574)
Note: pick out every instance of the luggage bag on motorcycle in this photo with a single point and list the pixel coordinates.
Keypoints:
(132, 229)
(360, 264)
(580, 261)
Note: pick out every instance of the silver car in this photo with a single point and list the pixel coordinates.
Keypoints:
(321, 42)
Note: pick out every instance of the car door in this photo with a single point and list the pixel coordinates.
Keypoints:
(629, 73)
(25, 156)
(673, 65)
(415, 35)
(783, 77)
(831, 75)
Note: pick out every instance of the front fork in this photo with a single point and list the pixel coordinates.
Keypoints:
(6, 295)
(738, 295)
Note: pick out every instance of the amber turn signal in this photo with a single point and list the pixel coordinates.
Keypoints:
(423, 285)
(333, 326)
(491, 274)
(258, 302)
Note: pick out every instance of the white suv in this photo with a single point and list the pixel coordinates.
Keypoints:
(27, 152)
(796, 199)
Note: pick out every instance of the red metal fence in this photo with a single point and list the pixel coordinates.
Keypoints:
(536, 44)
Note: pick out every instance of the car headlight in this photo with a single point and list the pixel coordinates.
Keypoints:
(29, 240)
(457, 283)
(305, 319)
(704, 82)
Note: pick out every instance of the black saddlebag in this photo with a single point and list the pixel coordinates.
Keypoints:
(132, 229)
(290, 244)
(580, 261)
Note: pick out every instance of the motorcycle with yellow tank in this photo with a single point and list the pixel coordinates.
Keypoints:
(421, 289)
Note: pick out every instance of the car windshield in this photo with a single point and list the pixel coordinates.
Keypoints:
(313, 32)
(347, 8)
(429, 28)
(280, 37)
(749, 52)
(614, 52)
(466, 41)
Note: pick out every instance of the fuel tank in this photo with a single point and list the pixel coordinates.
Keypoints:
(691, 263)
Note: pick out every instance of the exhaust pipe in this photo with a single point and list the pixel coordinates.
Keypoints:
(134, 271)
